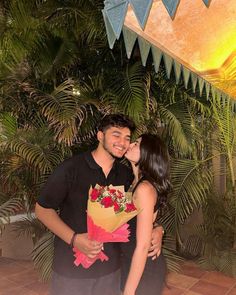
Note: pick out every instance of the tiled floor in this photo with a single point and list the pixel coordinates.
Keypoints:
(19, 277)
(193, 280)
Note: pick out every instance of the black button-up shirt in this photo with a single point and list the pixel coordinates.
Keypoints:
(67, 190)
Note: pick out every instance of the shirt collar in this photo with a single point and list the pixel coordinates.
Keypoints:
(93, 164)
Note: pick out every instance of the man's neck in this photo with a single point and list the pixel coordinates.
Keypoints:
(103, 159)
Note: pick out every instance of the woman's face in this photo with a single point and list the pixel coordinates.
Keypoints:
(133, 152)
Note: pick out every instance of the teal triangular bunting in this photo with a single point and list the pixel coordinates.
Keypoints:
(168, 64)
(171, 6)
(144, 47)
(207, 87)
(218, 94)
(156, 55)
(233, 104)
(110, 33)
(213, 92)
(141, 9)
(201, 83)
(207, 2)
(129, 39)
(223, 99)
(177, 68)
(194, 81)
(116, 16)
(186, 74)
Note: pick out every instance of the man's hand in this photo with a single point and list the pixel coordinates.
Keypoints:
(89, 247)
(156, 243)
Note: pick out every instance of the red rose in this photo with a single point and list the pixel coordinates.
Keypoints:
(116, 207)
(95, 194)
(112, 191)
(130, 207)
(119, 195)
(107, 202)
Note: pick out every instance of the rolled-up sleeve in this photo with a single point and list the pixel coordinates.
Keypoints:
(55, 190)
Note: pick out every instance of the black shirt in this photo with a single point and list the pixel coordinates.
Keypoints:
(67, 190)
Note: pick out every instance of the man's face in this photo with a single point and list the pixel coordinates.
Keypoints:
(115, 140)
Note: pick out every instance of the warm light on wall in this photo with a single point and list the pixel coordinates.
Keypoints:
(221, 51)
(203, 39)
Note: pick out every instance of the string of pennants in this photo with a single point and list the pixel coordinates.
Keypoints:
(115, 11)
(145, 47)
(170, 64)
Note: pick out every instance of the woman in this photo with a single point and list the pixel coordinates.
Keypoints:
(150, 163)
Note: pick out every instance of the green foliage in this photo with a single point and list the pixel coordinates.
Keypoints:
(43, 255)
(225, 120)
(9, 207)
(58, 78)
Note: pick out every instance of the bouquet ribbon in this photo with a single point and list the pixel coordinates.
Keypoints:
(99, 234)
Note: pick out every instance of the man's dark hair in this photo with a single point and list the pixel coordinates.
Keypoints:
(116, 120)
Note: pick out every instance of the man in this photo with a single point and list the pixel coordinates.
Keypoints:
(67, 190)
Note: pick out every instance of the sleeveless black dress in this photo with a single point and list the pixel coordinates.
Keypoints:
(153, 278)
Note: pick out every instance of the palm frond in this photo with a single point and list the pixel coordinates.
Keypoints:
(225, 121)
(175, 121)
(131, 91)
(8, 127)
(191, 183)
(9, 208)
(65, 110)
(172, 258)
(223, 261)
(29, 226)
(43, 255)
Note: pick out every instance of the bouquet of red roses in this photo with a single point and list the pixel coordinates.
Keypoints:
(109, 209)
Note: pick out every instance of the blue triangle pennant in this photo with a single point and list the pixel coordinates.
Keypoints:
(116, 16)
(186, 75)
(233, 105)
(171, 6)
(218, 94)
(207, 2)
(213, 92)
(141, 9)
(110, 33)
(194, 81)
(156, 55)
(144, 47)
(207, 88)
(223, 99)
(177, 68)
(201, 84)
(129, 39)
(168, 61)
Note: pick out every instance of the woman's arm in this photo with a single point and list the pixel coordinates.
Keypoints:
(145, 196)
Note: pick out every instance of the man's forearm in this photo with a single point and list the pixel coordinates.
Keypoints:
(159, 225)
(53, 222)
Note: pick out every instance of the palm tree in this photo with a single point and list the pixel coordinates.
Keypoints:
(58, 78)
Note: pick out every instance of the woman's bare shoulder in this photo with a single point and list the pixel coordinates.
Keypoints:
(145, 187)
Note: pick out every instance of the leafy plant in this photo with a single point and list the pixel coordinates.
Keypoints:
(58, 78)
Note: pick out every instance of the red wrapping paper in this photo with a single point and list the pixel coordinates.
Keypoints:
(104, 224)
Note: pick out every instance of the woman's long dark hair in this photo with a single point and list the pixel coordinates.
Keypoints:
(154, 166)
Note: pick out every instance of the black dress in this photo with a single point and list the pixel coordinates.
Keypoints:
(153, 278)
